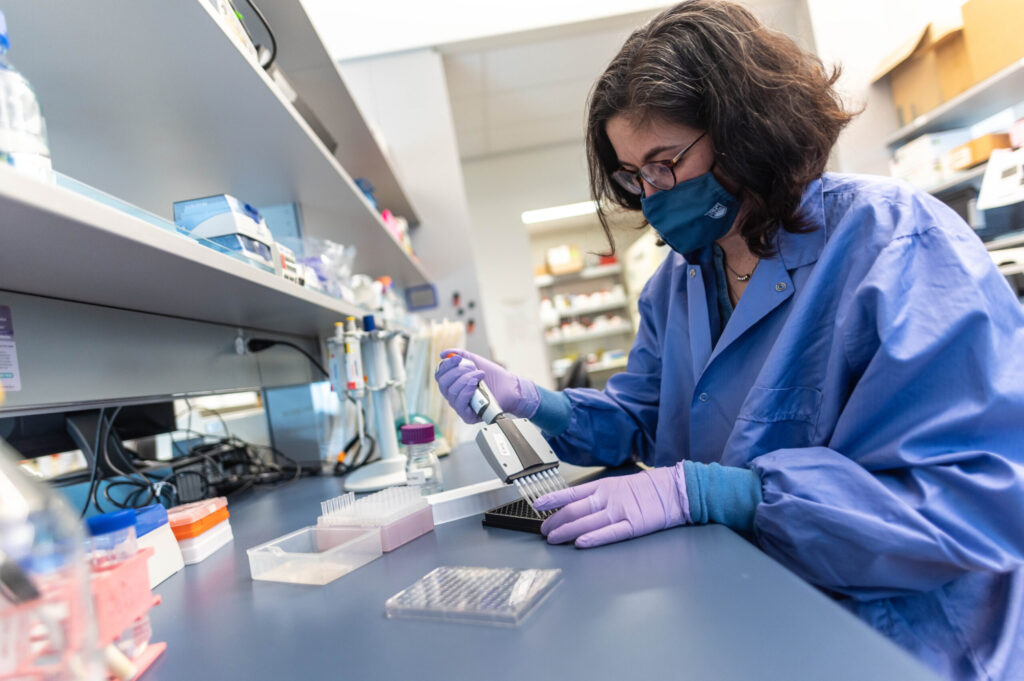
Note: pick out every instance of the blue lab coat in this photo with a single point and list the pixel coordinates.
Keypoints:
(872, 374)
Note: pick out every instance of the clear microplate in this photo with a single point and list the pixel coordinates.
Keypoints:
(314, 555)
(500, 596)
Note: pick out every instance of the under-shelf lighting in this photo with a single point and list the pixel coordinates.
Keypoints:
(569, 210)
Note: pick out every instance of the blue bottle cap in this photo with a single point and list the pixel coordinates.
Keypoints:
(111, 522)
(148, 518)
(369, 323)
(4, 42)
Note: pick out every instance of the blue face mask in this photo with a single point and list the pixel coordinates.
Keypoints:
(693, 214)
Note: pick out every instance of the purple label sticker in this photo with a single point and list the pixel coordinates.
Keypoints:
(6, 322)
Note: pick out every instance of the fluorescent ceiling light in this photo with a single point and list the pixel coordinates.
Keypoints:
(570, 210)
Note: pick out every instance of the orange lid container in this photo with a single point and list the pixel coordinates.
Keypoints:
(191, 520)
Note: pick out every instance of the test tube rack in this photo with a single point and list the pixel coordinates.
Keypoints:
(120, 596)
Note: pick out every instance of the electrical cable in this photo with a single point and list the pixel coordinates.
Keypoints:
(274, 450)
(229, 458)
(270, 34)
(261, 344)
(95, 465)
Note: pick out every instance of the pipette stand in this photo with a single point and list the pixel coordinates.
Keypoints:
(390, 470)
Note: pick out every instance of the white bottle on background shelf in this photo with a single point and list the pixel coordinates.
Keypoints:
(23, 142)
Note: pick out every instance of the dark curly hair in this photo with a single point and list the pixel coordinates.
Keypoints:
(769, 108)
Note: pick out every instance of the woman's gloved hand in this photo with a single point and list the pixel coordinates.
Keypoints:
(613, 509)
(459, 374)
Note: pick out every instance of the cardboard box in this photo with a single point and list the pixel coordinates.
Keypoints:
(928, 69)
(993, 31)
(977, 150)
(564, 259)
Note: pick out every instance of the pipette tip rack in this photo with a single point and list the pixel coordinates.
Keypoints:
(401, 513)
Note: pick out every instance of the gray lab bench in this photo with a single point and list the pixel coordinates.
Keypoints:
(687, 603)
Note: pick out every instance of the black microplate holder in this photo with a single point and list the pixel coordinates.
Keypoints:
(517, 515)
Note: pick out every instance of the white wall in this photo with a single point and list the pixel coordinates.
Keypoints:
(499, 189)
(405, 96)
(359, 29)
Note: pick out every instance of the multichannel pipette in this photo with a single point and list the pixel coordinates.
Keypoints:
(515, 449)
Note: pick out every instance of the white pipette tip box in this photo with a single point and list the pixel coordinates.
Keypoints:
(401, 513)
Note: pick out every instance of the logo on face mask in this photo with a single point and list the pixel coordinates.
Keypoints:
(717, 211)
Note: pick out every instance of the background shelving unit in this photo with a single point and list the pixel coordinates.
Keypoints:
(586, 273)
(158, 104)
(103, 249)
(315, 76)
(623, 330)
(1003, 90)
(584, 281)
(974, 104)
(154, 104)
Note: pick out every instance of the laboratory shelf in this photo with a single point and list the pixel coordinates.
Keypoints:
(598, 367)
(1011, 270)
(1013, 240)
(161, 105)
(546, 280)
(618, 304)
(592, 335)
(988, 97)
(591, 309)
(959, 180)
(57, 243)
(315, 76)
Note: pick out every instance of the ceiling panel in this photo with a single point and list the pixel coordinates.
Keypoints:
(573, 57)
(472, 143)
(538, 103)
(528, 92)
(465, 74)
(534, 133)
(524, 90)
(468, 113)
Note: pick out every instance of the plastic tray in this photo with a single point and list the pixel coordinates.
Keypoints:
(202, 547)
(186, 519)
(192, 530)
(314, 555)
(500, 596)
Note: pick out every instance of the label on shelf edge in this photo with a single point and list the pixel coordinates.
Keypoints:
(10, 377)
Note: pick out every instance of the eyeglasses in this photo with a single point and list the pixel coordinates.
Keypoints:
(658, 174)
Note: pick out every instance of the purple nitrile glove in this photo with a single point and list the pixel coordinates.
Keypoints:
(613, 509)
(458, 376)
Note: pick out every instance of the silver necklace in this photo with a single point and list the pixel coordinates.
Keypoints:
(739, 277)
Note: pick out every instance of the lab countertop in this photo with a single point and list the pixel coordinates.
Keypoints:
(690, 602)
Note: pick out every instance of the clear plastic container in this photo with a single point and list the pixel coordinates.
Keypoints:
(113, 541)
(500, 596)
(422, 468)
(23, 142)
(314, 555)
(113, 538)
(47, 619)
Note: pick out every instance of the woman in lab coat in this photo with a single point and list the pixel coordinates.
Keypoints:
(830, 363)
